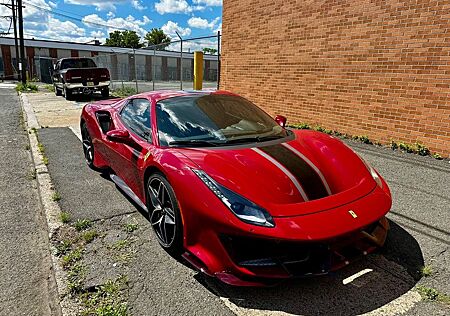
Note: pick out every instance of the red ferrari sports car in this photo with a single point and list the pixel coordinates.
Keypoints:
(236, 193)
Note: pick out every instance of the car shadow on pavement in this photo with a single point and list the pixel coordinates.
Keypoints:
(394, 270)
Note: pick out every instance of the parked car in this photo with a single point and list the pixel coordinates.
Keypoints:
(236, 193)
(80, 76)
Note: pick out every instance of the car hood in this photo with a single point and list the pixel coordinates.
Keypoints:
(310, 173)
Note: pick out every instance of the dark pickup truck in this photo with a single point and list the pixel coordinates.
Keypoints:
(79, 75)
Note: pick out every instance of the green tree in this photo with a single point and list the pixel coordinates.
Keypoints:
(208, 50)
(157, 37)
(124, 39)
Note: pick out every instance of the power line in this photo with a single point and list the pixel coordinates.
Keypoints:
(75, 18)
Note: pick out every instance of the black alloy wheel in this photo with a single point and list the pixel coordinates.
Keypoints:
(88, 146)
(164, 214)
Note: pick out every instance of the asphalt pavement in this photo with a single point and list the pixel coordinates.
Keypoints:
(27, 284)
(419, 236)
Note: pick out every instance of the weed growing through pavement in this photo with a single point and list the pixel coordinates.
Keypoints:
(107, 299)
(71, 258)
(130, 227)
(63, 247)
(32, 175)
(26, 87)
(90, 235)
(121, 244)
(82, 224)
(433, 295)
(56, 197)
(64, 217)
(426, 271)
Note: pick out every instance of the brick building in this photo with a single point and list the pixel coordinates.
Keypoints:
(362, 67)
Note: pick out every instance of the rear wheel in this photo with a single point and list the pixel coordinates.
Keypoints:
(105, 93)
(164, 214)
(88, 146)
(58, 92)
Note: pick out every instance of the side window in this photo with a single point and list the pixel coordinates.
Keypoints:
(136, 116)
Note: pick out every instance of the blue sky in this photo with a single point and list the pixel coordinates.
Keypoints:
(85, 20)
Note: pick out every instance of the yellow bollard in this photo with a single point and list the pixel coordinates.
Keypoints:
(198, 70)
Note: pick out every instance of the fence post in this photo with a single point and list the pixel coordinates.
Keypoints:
(218, 60)
(198, 70)
(181, 61)
(154, 67)
(135, 71)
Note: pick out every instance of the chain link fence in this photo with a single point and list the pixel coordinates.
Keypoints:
(159, 67)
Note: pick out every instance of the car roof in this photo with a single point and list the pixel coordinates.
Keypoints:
(166, 94)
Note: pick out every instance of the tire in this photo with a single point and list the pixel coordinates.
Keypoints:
(58, 92)
(68, 94)
(105, 93)
(164, 214)
(88, 146)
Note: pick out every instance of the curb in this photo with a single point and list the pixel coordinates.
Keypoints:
(50, 207)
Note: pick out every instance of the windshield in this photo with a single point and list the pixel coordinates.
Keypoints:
(212, 120)
(78, 63)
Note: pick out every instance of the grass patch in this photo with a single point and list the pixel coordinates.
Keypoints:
(64, 217)
(426, 271)
(41, 148)
(63, 247)
(32, 175)
(56, 197)
(71, 258)
(90, 235)
(108, 299)
(82, 224)
(363, 138)
(49, 87)
(123, 92)
(45, 160)
(437, 156)
(130, 227)
(433, 295)
(75, 278)
(26, 87)
(121, 244)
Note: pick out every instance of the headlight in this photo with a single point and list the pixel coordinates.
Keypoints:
(372, 171)
(245, 210)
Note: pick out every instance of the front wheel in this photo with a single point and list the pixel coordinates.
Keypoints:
(164, 214)
(68, 94)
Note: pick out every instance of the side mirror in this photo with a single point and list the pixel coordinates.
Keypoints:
(118, 136)
(281, 120)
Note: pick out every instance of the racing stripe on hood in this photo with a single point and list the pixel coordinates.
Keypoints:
(285, 171)
(306, 175)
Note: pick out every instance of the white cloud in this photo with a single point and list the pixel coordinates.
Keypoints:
(52, 4)
(209, 3)
(172, 6)
(129, 23)
(170, 28)
(110, 15)
(104, 5)
(200, 23)
(98, 34)
(137, 4)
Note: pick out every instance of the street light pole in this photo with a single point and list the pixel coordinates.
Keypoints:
(22, 68)
(16, 45)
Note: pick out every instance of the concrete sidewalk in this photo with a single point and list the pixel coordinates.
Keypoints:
(27, 284)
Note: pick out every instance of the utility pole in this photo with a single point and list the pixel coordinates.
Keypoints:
(16, 45)
(22, 68)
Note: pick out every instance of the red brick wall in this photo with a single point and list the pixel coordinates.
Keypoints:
(375, 68)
